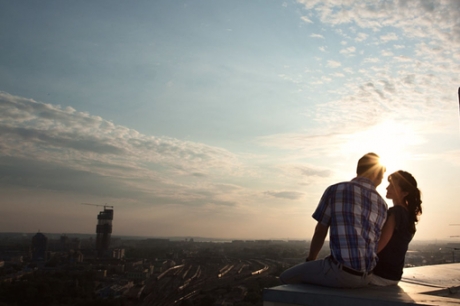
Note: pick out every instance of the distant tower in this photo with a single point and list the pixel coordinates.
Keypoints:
(103, 231)
(39, 247)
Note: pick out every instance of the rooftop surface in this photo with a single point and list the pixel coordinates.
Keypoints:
(426, 285)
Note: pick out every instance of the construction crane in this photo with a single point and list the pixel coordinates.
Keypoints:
(100, 205)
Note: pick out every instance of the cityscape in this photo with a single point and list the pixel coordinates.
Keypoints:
(174, 152)
(101, 269)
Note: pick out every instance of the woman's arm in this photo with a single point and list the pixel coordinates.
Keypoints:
(387, 232)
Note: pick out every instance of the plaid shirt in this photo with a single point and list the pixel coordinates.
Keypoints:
(355, 213)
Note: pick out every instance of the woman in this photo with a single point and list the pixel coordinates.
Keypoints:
(399, 228)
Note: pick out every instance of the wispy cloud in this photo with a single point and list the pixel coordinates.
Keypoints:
(333, 64)
(62, 149)
(311, 171)
(387, 53)
(389, 37)
(421, 19)
(306, 19)
(290, 195)
(361, 37)
(348, 51)
(371, 60)
(317, 36)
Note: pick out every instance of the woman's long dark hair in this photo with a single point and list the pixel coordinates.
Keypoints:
(408, 184)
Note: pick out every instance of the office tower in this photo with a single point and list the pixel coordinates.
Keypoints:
(103, 231)
(39, 247)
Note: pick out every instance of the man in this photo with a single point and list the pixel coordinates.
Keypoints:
(355, 214)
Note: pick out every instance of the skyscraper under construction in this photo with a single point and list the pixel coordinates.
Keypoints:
(104, 231)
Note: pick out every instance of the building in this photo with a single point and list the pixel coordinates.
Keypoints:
(118, 253)
(39, 247)
(66, 244)
(104, 231)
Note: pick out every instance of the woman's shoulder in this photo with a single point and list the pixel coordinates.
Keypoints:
(398, 209)
(401, 216)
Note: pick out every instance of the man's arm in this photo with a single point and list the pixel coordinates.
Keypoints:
(317, 241)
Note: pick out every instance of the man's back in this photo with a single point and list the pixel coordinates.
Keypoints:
(355, 213)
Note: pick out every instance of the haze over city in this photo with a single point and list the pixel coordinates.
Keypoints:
(223, 119)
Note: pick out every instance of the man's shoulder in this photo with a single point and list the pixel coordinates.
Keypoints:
(355, 185)
(340, 184)
(345, 185)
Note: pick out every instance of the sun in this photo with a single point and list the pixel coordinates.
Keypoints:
(390, 140)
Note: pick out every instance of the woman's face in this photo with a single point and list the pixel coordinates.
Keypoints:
(395, 193)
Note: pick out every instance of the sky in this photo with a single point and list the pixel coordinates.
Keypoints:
(222, 119)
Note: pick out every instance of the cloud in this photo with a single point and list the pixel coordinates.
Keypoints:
(436, 20)
(389, 37)
(333, 64)
(58, 148)
(306, 19)
(348, 51)
(371, 60)
(361, 37)
(28, 173)
(317, 36)
(402, 58)
(386, 53)
(312, 171)
(409, 79)
(291, 195)
(48, 127)
(388, 86)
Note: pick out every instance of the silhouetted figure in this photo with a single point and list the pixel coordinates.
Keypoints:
(355, 213)
(399, 228)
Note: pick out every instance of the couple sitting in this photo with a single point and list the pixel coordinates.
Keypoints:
(368, 243)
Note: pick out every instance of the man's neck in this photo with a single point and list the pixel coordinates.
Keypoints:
(370, 178)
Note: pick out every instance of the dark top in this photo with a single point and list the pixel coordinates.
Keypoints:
(391, 258)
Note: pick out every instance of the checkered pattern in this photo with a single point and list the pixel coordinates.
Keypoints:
(355, 213)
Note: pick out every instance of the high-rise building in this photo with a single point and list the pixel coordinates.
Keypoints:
(104, 231)
(39, 247)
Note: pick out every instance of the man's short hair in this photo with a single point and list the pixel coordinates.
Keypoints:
(369, 163)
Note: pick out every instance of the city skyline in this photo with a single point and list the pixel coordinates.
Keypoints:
(222, 119)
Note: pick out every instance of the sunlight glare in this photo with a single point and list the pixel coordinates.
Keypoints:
(390, 140)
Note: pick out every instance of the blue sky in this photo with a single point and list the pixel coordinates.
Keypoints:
(222, 118)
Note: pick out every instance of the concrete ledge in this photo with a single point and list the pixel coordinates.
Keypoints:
(428, 285)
